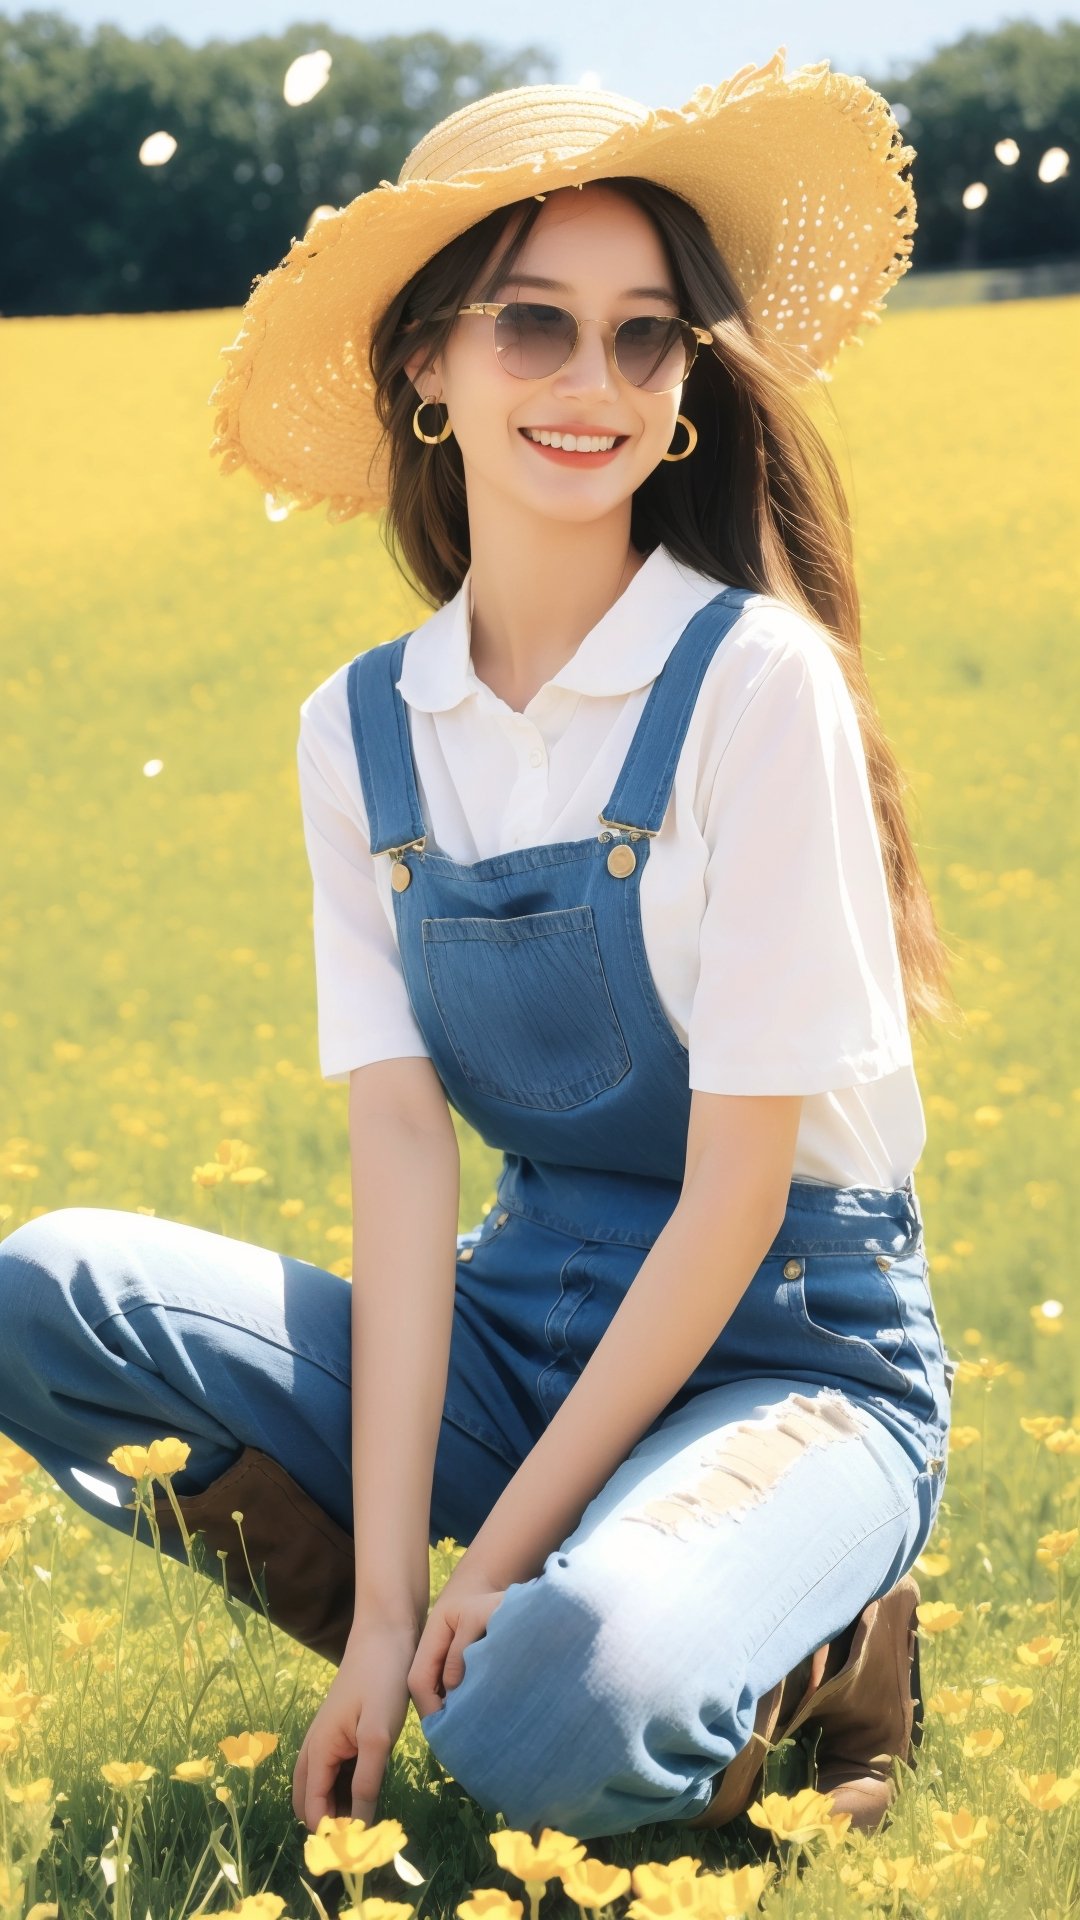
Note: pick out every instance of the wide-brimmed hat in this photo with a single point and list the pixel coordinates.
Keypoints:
(797, 176)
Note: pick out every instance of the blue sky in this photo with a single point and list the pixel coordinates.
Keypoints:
(654, 50)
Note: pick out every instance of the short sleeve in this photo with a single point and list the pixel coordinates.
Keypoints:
(799, 987)
(364, 1012)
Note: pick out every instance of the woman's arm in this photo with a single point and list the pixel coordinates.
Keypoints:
(740, 1153)
(405, 1197)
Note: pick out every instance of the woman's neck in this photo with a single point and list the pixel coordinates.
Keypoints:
(530, 612)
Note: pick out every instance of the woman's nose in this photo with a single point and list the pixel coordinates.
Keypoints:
(591, 366)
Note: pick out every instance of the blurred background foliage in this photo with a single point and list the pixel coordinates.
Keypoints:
(91, 228)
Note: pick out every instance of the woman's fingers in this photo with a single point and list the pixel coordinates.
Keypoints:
(454, 1664)
(372, 1753)
(299, 1785)
(329, 1747)
(425, 1678)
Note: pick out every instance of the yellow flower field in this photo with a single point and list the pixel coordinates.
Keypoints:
(157, 1053)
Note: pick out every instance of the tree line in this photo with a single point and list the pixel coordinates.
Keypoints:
(89, 228)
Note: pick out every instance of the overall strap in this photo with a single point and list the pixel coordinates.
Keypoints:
(380, 730)
(641, 791)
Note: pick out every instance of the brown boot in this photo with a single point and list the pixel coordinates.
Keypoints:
(857, 1690)
(738, 1783)
(871, 1710)
(305, 1559)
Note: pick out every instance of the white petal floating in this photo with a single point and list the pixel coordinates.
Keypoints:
(306, 76)
(157, 148)
(1054, 164)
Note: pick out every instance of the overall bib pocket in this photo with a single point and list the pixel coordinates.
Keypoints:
(526, 1006)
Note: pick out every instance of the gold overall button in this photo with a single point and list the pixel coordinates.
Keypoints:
(466, 1253)
(502, 1219)
(882, 1260)
(400, 876)
(792, 1269)
(621, 861)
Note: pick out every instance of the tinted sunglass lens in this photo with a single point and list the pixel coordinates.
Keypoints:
(533, 340)
(653, 352)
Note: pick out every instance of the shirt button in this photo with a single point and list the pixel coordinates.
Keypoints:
(536, 757)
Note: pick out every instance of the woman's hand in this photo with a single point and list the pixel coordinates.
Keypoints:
(458, 1617)
(358, 1722)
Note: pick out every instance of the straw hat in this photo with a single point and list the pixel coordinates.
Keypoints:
(797, 175)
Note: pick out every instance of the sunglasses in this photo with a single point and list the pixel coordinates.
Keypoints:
(651, 350)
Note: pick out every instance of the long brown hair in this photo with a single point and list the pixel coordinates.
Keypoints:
(760, 503)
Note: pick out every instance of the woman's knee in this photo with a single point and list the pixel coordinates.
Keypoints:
(522, 1699)
(47, 1243)
(551, 1721)
(54, 1281)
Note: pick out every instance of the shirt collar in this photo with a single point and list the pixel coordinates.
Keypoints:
(625, 650)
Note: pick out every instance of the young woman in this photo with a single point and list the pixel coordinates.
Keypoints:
(609, 856)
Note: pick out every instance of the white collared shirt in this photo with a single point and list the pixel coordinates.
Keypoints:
(764, 902)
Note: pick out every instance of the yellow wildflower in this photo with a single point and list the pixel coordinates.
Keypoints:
(593, 1883)
(653, 1878)
(1010, 1699)
(983, 1369)
(959, 1831)
(922, 1879)
(127, 1773)
(933, 1565)
(1038, 1425)
(83, 1628)
(935, 1616)
(982, 1743)
(1054, 1547)
(893, 1873)
(535, 1862)
(247, 1749)
(1045, 1790)
(796, 1817)
(486, 1903)
(1042, 1651)
(161, 1457)
(344, 1845)
(32, 1793)
(952, 1703)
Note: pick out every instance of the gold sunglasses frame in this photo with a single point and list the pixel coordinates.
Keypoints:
(702, 336)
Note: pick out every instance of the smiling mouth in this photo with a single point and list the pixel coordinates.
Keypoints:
(555, 444)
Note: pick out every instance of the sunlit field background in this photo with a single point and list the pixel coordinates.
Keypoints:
(158, 1053)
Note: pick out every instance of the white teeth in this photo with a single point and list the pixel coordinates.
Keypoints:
(572, 443)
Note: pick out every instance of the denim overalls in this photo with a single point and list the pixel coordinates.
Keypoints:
(528, 977)
(795, 1476)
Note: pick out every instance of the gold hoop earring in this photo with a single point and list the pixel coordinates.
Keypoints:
(430, 439)
(691, 440)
